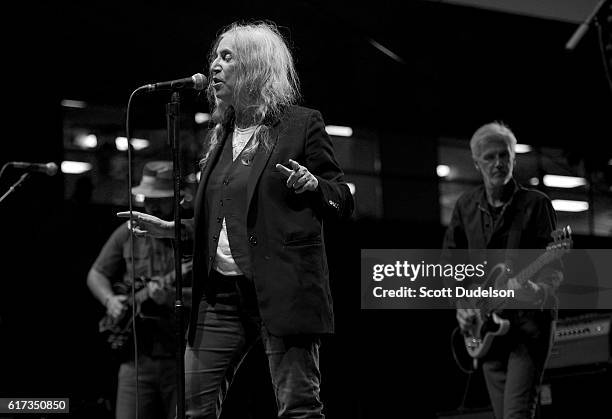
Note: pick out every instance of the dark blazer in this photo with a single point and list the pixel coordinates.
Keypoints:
(284, 229)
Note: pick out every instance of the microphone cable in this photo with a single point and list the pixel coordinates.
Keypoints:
(454, 352)
(199, 83)
(128, 135)
(462, 368)
(4, 166)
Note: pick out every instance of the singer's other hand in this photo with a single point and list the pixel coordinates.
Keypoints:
(146, 224)
(298, 177)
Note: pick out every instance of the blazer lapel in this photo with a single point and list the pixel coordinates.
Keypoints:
(259, 163)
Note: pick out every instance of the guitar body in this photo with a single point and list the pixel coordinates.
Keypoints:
(480, 336)
(119, 330)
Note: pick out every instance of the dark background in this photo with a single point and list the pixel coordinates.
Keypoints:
(461, 67)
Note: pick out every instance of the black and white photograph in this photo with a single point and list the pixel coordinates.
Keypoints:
(306, 209)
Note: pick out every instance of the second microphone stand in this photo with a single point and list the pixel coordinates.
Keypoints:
(14, 186)
(172, 118)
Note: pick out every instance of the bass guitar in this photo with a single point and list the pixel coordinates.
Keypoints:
(488, 324)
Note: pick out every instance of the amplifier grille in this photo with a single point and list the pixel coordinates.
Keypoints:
(581, 340)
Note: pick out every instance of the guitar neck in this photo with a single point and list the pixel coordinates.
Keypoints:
(141, 296)
(527, 273)
(544, 259)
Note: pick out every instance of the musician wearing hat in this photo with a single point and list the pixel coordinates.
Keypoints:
(110, 281)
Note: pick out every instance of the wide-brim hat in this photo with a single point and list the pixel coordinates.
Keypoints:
(157, 180)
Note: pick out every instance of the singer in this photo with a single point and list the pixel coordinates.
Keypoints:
(269, 182)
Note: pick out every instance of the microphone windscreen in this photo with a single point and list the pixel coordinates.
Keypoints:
(199, 81)
(51, 169)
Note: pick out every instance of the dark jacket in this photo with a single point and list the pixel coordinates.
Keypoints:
(284, 229)
(525, 222)
(472, 225)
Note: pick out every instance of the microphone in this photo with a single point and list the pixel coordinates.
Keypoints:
(584, 26)
(197, 82)
(48, 168)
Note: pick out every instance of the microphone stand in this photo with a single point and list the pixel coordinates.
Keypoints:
(14, 186)
(584, 26)
(172, 119)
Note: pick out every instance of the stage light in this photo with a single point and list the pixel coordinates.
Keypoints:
(86, 141)
(68, 103)
(137, 143)
(569, 206)
(339, 131)
(201, 117)
(75, 167)
(522, 148)
(556, 181)
(442, 170)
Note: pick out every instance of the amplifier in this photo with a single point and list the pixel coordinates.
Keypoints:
(581, 340)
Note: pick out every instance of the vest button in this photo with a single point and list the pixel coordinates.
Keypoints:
(226, 181)
(253, 240)
(215, 238)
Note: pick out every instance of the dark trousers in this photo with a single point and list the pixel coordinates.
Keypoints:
(156, 389)
(513, 370)
(225, 332)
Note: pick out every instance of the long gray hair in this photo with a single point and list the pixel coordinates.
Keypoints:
(266, 82)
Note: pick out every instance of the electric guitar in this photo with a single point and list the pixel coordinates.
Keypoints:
(477, 339)
(118, 330)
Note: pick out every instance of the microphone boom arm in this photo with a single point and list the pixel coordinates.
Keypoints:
(14, 186)
(583, 28)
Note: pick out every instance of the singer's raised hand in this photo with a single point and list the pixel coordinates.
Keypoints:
(298, 177)
(146, 224)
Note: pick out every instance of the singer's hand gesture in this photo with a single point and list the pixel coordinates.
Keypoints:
(146, 224)
(298, 177)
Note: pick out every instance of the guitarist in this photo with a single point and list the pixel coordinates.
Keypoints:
(154, 266)
(500, 214)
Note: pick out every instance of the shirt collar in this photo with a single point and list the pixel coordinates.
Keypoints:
(483, 204)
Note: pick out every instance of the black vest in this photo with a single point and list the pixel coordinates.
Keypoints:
(225, 197)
